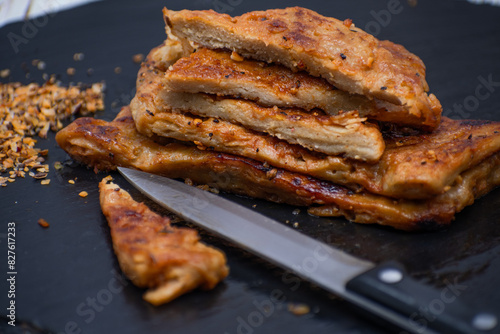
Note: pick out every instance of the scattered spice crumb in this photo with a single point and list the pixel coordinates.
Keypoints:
(118, 70)
(254, 206)
(4, 73)
(298, 309)
(138, 58)
(78, 56)
(43, 223)
(412, 3)
(83, 194)
(29, 110)
(41, 65)
(204, 187)
(58, 165)
(213, 190)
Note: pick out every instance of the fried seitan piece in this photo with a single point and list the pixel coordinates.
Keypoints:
(414, 166)
(167, 260)
(224, 73)
(301, 39)
(105, 145)
(344, 134)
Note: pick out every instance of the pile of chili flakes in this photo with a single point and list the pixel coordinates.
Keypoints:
(30, 110)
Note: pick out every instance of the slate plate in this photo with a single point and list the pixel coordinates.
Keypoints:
(68, 279)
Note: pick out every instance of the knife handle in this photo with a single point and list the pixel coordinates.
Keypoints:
(424, 307)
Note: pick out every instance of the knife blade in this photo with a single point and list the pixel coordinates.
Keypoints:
(385, 290)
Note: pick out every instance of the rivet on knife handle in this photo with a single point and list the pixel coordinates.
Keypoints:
(425, 307)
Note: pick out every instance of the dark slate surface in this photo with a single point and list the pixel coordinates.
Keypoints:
(68, 278)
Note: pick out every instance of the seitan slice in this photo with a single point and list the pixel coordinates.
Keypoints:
(301, 39)
(223, 73)
(167, 260)
(105, 145)
(344, 134)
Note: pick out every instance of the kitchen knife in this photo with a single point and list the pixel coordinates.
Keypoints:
(384, 290)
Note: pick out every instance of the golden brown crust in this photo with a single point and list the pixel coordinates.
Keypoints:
(349, 58)
(169, 261)
(216, 72)
(104, 145)
(414, 166)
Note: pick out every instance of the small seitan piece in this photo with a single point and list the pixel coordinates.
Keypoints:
(167, 260)
(301, 39)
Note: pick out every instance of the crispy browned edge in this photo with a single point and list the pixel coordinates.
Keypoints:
(167, 260)
(217, 72)
(105, 145)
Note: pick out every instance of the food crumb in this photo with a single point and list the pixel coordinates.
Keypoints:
(78, 56)
(295, 212)
(214, 190)
(298, 309)
(118, 70)
(348, 23)
(138, 58)
(71, 71)
(236, 57)
(41, 65)
(71, 181)
(45, 182)
(412, 3)
(29, 110)
(295, 225)
(83, 194)
(43, 223)
(4, 73)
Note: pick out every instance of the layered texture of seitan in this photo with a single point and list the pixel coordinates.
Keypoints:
(105, 145)
(223, 73)
(414, 166)
(301, 39)
(167, 260)
(344, 134)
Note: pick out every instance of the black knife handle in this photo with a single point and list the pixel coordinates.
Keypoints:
(425, 307)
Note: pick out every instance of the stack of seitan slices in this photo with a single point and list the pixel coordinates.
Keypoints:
(295, 107)
(294, 75)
